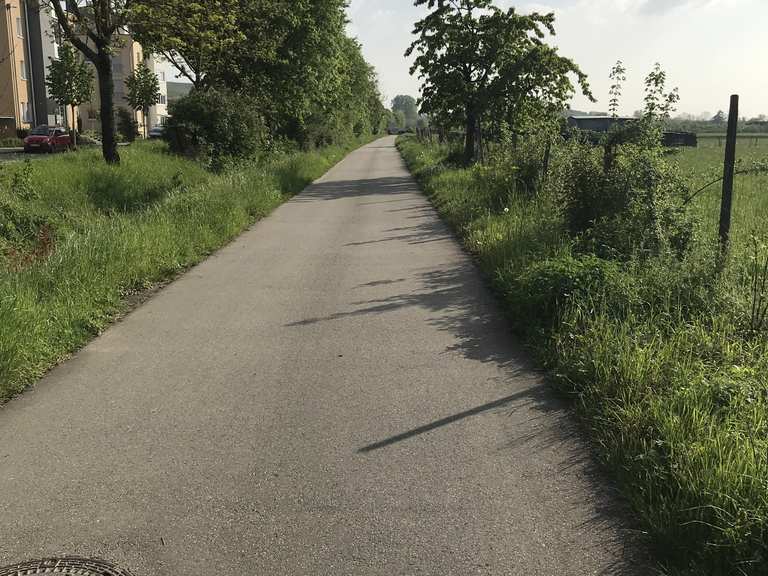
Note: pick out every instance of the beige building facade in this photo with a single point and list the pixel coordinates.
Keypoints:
(15, 86)
(28, 44)
(126, 60)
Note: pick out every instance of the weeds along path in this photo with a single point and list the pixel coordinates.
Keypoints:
(332, 393)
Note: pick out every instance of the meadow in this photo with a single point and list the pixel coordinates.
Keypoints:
(658, 353)
(80, 239)
(750, 209)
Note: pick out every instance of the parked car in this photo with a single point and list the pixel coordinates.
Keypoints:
(156, 132)
(47, 139)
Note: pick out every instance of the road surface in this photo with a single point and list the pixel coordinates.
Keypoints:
(334, 393)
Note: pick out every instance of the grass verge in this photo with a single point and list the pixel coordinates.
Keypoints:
(78, 238)
(672, 388)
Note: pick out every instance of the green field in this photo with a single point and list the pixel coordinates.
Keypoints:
(750, 203)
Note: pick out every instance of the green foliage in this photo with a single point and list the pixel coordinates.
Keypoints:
(70, 79)
(618, 77)
(195, 37)
(633, 208)
(543, 291)
(625, 199)
(406, 106)
(127, 126)
(143, 90)
(293, 60)
(215, 126)
(482, 64)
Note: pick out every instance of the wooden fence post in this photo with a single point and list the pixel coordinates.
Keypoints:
(728, 173)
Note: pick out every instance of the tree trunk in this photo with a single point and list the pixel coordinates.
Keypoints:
(74, 129)
(107, 109)
(470, 133)
(145, 112)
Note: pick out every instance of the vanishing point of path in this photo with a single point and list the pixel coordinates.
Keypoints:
(334, 393)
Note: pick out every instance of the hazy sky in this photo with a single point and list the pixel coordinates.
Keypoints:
(709, 48)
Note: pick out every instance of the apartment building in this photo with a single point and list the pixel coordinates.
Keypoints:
(15, 87)
(158, 114)
(124, 62)
(28, 43)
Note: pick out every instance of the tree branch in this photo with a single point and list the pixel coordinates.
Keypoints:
(66, 26)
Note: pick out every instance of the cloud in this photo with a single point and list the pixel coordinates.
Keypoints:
(665, 6)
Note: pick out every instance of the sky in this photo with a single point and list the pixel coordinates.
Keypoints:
(710, 49)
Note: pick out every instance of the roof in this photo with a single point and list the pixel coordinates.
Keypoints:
(590, 117)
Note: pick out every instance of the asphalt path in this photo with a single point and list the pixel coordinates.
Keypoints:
(334, 393)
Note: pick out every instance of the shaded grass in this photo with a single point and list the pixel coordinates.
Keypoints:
(115, 231)
(670, 385)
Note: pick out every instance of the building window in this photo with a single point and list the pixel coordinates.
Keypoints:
(25, 115)
(163, 100)
(161, 76)
(19, 28)
(24, 74)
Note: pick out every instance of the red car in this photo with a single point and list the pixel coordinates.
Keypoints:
(47, 139)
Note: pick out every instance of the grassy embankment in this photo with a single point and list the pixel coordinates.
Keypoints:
(77, 238)
(667, 377)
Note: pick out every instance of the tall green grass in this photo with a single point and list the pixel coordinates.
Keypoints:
(655, 353)
(77, 237)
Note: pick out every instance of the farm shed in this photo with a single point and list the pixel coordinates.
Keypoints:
(597, 125)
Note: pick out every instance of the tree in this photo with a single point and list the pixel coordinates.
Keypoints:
(70, 82)
(93, 28)
(475, 58)
(293, 60)
(143, 91)
(719, 118)
(406, 105)
(399, 118)
(196, 37)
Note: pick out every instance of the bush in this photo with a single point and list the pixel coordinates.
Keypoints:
(215, 126)
(545, 288)
(127, 127)
(633, 206)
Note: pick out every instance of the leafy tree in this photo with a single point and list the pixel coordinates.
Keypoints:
(399, 118)
(406, 105)
(215, 126)
(196, 37)
(93, 28)
(127, 126)
(307, 79)
(70, 82)
(719, 118)
(143, 91)
(475, 58)
(658, 103)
